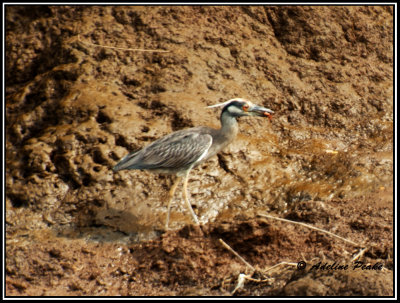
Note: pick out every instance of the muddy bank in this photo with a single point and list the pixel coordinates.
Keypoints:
(82, 92)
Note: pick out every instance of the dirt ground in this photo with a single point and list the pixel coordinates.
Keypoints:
(85, 85)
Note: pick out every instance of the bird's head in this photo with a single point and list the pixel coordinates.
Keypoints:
(239, 107)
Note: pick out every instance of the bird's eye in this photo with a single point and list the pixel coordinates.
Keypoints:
(245, 107)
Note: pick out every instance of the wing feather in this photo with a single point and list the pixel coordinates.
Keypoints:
(179, 150)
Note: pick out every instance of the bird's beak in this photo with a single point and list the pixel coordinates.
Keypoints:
(261, 111)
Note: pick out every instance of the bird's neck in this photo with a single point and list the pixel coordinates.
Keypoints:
(229, 126)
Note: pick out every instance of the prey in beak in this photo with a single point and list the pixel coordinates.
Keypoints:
(261, 111)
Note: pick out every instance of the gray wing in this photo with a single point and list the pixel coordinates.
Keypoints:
(177, 151)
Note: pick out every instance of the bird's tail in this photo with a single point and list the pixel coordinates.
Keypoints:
(128, 162)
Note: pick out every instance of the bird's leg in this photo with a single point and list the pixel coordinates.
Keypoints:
(170, 196)
(185, 181)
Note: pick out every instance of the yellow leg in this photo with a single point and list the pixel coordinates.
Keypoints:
(185, 181)
(170, 196)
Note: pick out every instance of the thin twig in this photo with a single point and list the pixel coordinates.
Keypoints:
(362, 252)
(240, 282)
(243, 277)
(123, 48)
(236, 254)
(279, 264)
(258, 280)
(311, 227)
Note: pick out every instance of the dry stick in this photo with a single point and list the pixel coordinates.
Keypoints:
(236, 254)
(362, 251)
(122, 48)
(243, 277)
(312, 227)
(240, 283)
(279, 264)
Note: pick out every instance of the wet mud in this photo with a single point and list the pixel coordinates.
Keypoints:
(85, 85)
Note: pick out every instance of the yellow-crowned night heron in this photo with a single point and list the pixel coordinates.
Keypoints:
(180, 151)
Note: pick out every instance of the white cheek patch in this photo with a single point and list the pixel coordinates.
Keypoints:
(234, 110)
